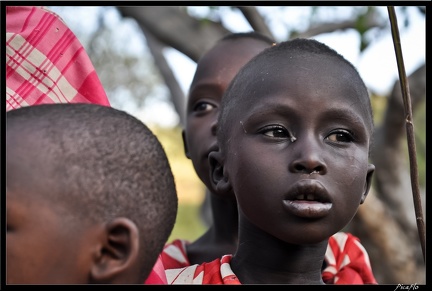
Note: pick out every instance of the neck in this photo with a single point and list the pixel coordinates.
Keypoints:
(222, 236)
(264, 259)
(225, 218)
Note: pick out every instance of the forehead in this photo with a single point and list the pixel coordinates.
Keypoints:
(326, 80)
(228, 56)
(304, 74)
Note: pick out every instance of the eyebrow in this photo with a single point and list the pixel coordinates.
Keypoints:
(345, 115)
(204, 86)
(335, 113)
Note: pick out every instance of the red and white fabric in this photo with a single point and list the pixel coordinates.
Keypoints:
(347, 262)
(216, 272)
(45, 62)
(157, 275)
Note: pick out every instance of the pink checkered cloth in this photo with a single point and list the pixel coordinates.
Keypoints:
(45, 62)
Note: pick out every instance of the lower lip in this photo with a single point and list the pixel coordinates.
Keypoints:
(307, 209)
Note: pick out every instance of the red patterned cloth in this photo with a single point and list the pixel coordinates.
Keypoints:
(347, 262)
(215, 272)
(45, 62)
(174, 254)
(157, 275)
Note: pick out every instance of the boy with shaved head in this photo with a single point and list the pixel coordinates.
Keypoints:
(90, 196)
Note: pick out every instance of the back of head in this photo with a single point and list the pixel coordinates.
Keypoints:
(275, 58)
(250, 34)
(102, 162)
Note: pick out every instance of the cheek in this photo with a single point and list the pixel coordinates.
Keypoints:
(44, 252)
(29, 255)
(351, 173)
(350, 181)
(256, 180)
(199, 135)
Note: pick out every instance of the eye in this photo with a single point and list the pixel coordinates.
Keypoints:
(340, 136)
(275, 131)
(203, 107)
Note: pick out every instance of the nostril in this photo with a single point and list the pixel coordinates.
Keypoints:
(318, 170)
(300, 168)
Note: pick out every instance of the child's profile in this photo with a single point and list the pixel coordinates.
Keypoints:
(90, 196)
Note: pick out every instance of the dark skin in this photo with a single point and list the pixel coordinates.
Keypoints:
(47, 242)
(214, 72)
(301, 174)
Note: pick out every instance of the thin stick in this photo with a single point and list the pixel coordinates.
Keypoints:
(409, 128)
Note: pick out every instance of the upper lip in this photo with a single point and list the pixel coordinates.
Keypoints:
(308, 189)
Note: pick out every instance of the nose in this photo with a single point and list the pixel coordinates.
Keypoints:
(307, 157)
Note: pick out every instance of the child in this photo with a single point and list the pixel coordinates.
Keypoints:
(283, 161)
(214, 72)
(90, 196)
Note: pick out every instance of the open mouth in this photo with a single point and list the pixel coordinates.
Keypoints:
(308, 199)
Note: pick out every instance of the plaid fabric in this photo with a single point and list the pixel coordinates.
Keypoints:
(346, 258)
(45, 62)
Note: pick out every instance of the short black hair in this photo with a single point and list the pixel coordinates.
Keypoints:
(249, 34)
(100, 160)
(294, 47)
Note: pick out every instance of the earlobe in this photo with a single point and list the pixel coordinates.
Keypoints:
(186, 149)
(119, 252)
(218, 177)
(368, 182)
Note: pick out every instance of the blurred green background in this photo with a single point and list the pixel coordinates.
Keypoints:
(190, 189)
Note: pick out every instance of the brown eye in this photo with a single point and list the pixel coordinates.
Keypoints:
(340, 136)
(203, 106)
(278, 132)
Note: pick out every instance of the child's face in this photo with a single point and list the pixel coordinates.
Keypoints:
(42, 246)
(213, 75)
(298, 155)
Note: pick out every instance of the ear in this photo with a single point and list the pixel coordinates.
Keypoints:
(368, 183)
(218, 177)
(186, 150)
(118, 252)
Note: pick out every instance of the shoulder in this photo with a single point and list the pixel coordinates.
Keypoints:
(185, 275)
(343, 242)
(347, 261)
(174, 254)
(217, 271)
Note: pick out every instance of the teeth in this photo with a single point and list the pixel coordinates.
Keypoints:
(310, 197)
(300, 197)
